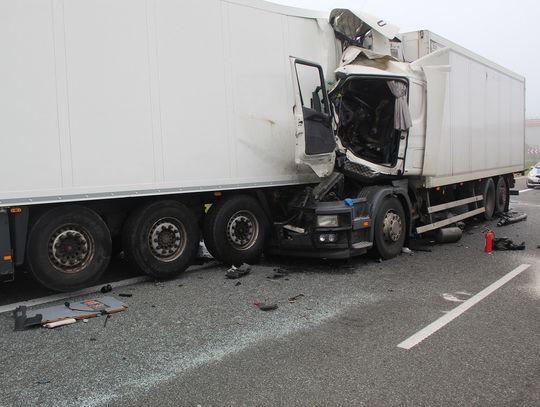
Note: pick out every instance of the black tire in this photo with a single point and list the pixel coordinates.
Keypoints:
(390, 228)
(502, 196)
(235, 230)
(489, 199)
(69, 248)
(161, 239)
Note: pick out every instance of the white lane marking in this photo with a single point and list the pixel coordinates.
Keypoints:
(446, 319)
(63, 296)
(525, 190)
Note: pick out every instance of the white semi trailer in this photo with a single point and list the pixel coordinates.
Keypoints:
(122, 120)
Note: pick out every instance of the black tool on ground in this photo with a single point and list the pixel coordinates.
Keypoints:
(125, 295)
(22, 322)
(503, 244)
(106, 320)
(106, 289)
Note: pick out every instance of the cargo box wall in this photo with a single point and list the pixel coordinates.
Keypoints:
(134, 97)
(476, 115)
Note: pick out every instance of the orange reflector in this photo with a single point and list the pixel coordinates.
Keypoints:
(8, 258)
(15, 210)
(366, 224)
(218, 194)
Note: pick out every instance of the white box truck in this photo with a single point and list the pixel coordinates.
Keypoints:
(124, 121)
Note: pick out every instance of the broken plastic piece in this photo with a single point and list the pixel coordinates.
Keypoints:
(106, 289)
(22, 322)
(235, 273)
(406, 250)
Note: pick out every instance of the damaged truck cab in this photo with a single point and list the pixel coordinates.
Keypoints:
(393, 123)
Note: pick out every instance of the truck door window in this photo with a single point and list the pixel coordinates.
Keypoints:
(311, 86)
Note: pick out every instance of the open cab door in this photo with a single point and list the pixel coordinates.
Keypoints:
(315, 138)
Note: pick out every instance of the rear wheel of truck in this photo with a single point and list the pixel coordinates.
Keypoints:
(161, 239)
(68, 248)
(235, 230)
(489, 199)
(390, 228)
(502, 196)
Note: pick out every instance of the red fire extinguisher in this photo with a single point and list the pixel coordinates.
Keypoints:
(489, 241)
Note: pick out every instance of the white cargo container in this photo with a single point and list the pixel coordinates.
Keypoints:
(124, 121)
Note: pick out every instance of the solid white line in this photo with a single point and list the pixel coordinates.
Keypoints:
(525, 190)
(63, 296)
(446, 319)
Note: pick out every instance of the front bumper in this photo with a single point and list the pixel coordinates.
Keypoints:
(533, 181)
(351, 238)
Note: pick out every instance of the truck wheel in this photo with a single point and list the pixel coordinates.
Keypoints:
(235, 230)
(161, 239)
(502, 196)
(489, 199)
(390, 228)
(69, 248)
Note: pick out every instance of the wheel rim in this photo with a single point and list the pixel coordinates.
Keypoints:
(489, 203)
(243, 230)
(392, 227)
(71, 249)
(167, 239)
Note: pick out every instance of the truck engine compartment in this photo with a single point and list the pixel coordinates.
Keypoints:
(365, 108)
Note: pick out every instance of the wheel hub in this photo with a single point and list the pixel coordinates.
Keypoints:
(243, 230)
(393, 227)
(167, 239)
(70, 249)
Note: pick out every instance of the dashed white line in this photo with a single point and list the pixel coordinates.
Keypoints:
(63, 296)
(446, 319)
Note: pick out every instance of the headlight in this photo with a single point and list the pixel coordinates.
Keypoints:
(328, 221)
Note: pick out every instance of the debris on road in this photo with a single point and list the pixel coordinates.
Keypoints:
(406, 250)
(510, 218)
(60, 315)
(503, 244)
(293, 300)
(238, 284)
(234, 273)
(268, 307)
(123, 295)
(58, 324)
(278, 274)
(106, 289)
(23, 322)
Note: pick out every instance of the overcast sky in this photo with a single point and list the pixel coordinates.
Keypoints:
(505, 32)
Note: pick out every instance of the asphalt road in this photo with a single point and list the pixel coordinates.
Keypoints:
(201, 341)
